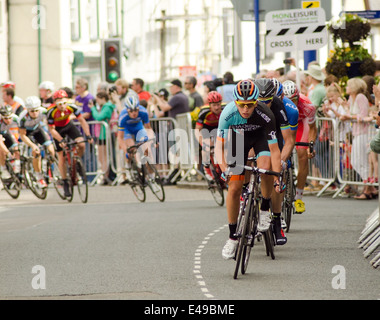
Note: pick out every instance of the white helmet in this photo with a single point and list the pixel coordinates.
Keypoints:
(290, 89)
(32, 102)
(47, 85)
(132, 103)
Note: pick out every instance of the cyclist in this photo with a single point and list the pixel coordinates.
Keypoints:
(134, 125)
(307, 132)
(31, 127)
(9, 99)
(61, 126)
(9, 123)
(206, 128)
(245, 118)
(46, 89)
(267, 95)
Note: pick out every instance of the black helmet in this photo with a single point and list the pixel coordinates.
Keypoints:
(267, 89)
(6, 111)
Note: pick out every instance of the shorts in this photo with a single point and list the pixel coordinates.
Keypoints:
(302, 133)
(40, 136)
(9, 140)
(139, 135)
(240, 150)
(70, 130)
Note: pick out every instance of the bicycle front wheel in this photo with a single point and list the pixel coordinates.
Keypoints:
(32, 181)
(269, 242)
(288, 206)
(215, 188)
(81, 179)
(137, 183)
(155, 184)
(12, 185)
(54, 176)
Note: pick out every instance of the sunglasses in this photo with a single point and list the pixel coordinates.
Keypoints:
(34, 110)
(61, 103)
(243, 104)
(266, 100)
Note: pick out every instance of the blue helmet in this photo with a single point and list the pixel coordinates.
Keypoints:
(279, 87)
(132, 103)
(246, 90)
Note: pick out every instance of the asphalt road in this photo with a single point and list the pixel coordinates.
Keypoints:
(114, 247)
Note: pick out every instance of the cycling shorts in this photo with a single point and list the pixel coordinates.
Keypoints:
(302, 133)
(139, 135)
(256, 140)
(9, 140)
(40, 136)
(69, 130)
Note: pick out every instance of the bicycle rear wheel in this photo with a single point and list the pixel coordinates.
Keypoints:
(288, 204)
(54, 176)
(137, 184)
(32, 180)
(154, 184)
(12, 186)
(81, 179)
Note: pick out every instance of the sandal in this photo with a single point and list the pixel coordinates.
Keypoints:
(364, 196)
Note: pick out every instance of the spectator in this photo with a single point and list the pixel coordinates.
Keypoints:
(104, 114)
(195, 99)
(377, 72)
(316, 90)
(82, 101)
(122, 91)
(226, 90)
(208, 87)
(359, 110)
(178, 103)
(8, 98)
(330, 79)
(103, 86)
(12, 85)
(153, 108)
(138, 87)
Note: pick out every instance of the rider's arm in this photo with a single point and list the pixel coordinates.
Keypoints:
(3, 147)
(149, 130)
(55, 133)
(289, 141)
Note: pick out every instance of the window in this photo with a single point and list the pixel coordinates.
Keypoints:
(93, 19)
(232, 35)
(112, 18)
(75, 19)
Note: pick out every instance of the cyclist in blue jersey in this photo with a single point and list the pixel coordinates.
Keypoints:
(134, 125)
(245, 124)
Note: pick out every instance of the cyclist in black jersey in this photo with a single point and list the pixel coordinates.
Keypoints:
(286, 143)
(243, 125)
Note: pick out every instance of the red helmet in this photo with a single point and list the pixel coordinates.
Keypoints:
(214, 97)
(60, 94)
(8, 84)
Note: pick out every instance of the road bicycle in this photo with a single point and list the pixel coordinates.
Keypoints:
(248, 220)
(12, 185)
(76, 173)
(216, 185)
(144, 174)
(288, 208)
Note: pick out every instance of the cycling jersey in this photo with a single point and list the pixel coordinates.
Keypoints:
(291, 112)
(207, 119)
(11, 128)
(34, 127)
(62, 118)
(282, 123)
(258, 132)
(134, 127)
(306, 109)
(17, 108)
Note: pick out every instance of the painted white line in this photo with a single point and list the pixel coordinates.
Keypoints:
(197, 263)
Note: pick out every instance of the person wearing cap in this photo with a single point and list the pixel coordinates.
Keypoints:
(46, 89)
(178, 103)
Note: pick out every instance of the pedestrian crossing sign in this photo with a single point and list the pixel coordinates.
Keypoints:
(310, 4)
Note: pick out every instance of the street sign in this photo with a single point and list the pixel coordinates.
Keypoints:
(367, 14)
(292, 30)
(310, 4)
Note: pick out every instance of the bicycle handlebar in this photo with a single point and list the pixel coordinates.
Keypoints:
(306, 144)
(131, 148)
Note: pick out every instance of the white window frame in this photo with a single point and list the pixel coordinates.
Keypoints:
(75, 20)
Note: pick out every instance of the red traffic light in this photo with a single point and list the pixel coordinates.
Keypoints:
(112, 48)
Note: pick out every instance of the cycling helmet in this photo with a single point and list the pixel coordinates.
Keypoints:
(214, 97)
(32, 102)
(47, 85)
(60, 94)
(290, 89)
(267, 90)
(246, 90)
(278, 86)
(132, 103)
(6, 111)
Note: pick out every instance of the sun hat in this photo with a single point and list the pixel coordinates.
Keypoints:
(315, 71)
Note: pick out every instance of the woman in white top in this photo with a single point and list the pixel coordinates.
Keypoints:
(359, 111)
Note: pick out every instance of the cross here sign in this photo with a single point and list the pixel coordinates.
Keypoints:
(290, 30)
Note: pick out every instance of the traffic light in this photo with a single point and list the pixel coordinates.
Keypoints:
(111, 59)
